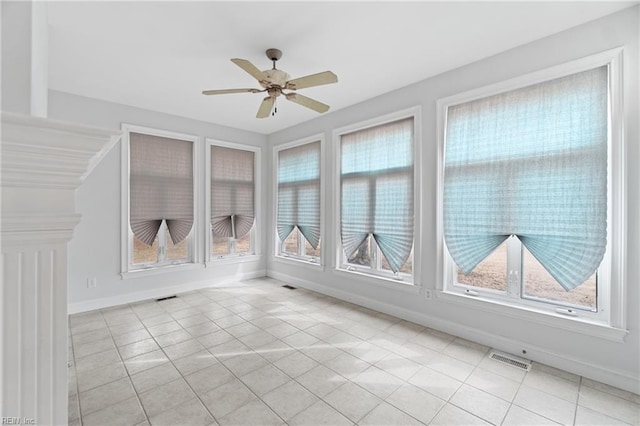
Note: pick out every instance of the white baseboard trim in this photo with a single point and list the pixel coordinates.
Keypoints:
(122, 299)
(614, 377)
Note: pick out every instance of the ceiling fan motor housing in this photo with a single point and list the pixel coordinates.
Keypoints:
(275, 78)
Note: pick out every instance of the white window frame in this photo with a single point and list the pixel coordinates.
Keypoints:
(610, 320)
(402, 281)
(278, 253)
(127, 268)
(255, 230)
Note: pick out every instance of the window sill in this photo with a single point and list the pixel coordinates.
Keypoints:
(234, 259)
(551, 319)
(297, 261)
(406, 286)
(159, 270)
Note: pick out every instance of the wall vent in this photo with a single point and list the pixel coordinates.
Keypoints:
(512, 360)
(166, 298)
(289, 287)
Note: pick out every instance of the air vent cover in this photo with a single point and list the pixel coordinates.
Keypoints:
(166, 298)
(512, 360)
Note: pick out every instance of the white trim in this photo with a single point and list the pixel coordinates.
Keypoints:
(319, 137)
(617, 176)
(616, 377)
(235, 258)
(97, 158)
(612, 267)
(20, 230)
(107, 302)
(48, 154)
(297, 261)
(160, 270)
(126, 235)
(379, 280)
(558, 71)
(257, 182)
(416, 113)
(528, 313)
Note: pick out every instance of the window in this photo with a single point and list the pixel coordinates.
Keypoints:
(158, 198)
(527, 191)
(376, 198)
(232, 200)
(299, 201)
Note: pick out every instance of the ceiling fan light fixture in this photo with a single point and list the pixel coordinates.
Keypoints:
(275, 77)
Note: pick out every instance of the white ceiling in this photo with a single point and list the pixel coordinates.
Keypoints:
(161, 55)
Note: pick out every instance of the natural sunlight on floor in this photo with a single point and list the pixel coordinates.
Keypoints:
(259, 353)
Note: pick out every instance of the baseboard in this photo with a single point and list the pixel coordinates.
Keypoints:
(107, 302)
(614, 377)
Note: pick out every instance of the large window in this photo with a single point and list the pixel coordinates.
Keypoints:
(376, 199)
(159, 192)
(299, 201)
(232, 200)
(526, 193)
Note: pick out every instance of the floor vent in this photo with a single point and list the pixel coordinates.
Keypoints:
(512, 360)
(166, 298)
(289, 287)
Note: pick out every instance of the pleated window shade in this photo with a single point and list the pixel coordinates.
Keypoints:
(376, 183)
(299, 192)
(531, 162)
(232, 192)
(161, 186)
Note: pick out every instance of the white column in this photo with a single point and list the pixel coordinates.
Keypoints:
(25, 57)
(43, 163)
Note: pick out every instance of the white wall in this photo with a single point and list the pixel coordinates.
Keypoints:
(612, 362)
(95, 248)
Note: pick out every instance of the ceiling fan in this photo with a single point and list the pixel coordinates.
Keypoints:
(275, 81)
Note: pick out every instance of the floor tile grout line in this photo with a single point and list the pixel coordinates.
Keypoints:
(77, 386)
(575, 412)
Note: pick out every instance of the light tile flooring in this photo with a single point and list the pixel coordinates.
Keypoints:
(259, 354)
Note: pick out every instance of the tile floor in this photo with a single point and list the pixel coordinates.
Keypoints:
(260, 354)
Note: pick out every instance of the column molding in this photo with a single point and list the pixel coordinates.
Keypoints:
(43, 163)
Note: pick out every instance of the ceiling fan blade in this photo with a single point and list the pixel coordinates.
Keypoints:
(265, 107)
(318, 79)
(225, 91)
(250, 68)
(307, 102)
